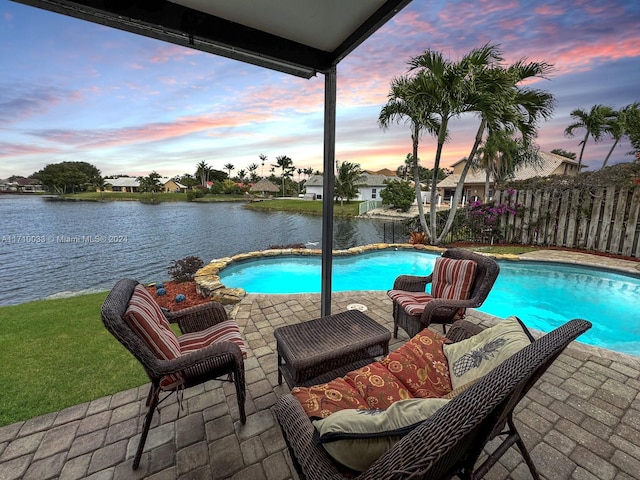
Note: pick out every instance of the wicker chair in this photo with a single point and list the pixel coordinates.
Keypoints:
(452, 440)
(217, 358)
(440, 310)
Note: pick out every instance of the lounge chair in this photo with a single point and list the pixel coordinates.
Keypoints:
(451, 441)
(210, 346)
(464, 285)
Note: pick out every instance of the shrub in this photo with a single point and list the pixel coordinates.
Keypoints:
(184, 270)
(398, 194)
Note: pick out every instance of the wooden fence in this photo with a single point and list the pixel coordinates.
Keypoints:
(603, 219)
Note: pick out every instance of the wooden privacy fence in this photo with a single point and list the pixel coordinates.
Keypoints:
(604, 219)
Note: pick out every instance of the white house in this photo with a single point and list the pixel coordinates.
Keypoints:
(371, 186)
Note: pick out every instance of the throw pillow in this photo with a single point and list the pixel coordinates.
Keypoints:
(322, 400)
(476, 356)
(356, 438)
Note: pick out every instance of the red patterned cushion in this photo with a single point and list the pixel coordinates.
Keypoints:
(223, 331)
(320, 401)
(377, 385)
(411, 302)
(147, 320)
(452, 279)
(421, 365)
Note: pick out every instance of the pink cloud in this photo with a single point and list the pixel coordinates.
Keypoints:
(8, 150)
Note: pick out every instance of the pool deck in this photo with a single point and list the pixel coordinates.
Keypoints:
(581, 421)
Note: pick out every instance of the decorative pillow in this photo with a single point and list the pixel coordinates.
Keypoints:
(452, 279)
(146, 318)
(356, 438)
(476, 356)
(377, 385)
(223, 331)
(421, 366)
(320, 401)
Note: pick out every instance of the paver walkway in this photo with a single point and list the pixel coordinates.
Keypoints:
(581, 421)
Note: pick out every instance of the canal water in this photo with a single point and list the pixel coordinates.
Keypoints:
(61, 248)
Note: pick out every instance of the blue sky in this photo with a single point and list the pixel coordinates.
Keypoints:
(75, 91)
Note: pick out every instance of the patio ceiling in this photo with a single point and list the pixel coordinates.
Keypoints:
(299, 37)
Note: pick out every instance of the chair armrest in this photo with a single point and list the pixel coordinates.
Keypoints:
(411, 283)
(462, 329)
(433, 305)
(198, 317)
(298, 433)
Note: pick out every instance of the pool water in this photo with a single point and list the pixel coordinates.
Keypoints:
(543, 295)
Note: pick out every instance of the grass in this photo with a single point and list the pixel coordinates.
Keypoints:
(57, 353)
(304, 206)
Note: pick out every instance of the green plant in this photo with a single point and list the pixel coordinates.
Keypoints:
(398, 195)
(184, 270)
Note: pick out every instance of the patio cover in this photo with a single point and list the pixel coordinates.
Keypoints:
(298, 37)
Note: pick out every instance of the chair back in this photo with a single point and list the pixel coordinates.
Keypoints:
(451, 440)
(113, 312)
(487, 270)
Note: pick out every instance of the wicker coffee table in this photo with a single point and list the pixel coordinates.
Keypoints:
(328, 347)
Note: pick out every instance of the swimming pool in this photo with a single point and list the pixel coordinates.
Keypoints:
(543, 295)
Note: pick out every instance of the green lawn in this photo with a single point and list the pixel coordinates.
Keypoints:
(57, 353)
(304, 206)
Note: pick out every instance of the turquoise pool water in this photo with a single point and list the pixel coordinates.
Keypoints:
(543, 295)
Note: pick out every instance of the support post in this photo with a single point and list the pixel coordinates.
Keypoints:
(327, 188)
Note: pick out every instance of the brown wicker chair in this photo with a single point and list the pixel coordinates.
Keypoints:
(439, 310)
(451, 441)
(217, 359)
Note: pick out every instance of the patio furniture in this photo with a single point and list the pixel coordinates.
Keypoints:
(329, 346)
(451, 441)
(210, 345)
(455, 287)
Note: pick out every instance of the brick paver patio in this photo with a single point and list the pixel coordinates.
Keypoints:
(581, 421)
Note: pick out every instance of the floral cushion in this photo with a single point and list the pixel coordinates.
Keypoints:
(417, 369)
(421, 365)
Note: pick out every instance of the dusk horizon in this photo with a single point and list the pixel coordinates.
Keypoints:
(76, 91)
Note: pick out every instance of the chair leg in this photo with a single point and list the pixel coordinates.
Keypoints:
(241, 393)
(152, 402)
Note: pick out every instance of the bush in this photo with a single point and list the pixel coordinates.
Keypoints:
(193, 194)
(184, 270)
(398, 194)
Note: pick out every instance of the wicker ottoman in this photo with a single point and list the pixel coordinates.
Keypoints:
(328, 347)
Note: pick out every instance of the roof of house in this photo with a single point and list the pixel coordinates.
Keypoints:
(368, 180)
(385, 171)
(549, 162)
(264, 185)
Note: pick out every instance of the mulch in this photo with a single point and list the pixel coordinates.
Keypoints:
(188, 289)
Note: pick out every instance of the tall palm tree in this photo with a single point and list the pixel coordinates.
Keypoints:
(594, 122)
(241, 175)
(229, 167)
(253, 167)
(263, 159)
(617, 126)
(347, 182)
(202, 172)
(501, 103)
(286, 165)
(405, 103)
(449, 88)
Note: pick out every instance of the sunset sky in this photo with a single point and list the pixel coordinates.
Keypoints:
(75, 91)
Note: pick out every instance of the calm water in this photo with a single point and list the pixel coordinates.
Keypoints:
(543, 295)
(55, 248)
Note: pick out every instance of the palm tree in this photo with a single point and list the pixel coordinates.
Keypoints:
(263, 158)
(406, 103)
(502, 103)
(594, 122)
(241, 175)
(228, 167)
(202, 172)
(617, 126)
(253, 167)
(501, 155)
(286, 164)
(150, 183)
(347, 182)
